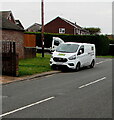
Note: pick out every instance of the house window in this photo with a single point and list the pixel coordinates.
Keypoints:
(62, 30)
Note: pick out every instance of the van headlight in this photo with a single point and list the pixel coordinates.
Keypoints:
(72, 57)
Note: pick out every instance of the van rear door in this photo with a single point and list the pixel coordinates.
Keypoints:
(90, 53)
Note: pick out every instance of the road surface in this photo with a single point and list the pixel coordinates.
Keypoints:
(83, 94)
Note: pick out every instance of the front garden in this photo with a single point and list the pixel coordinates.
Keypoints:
(34, 65)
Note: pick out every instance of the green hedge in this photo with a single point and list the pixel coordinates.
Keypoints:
(101, 42)
(111, 48)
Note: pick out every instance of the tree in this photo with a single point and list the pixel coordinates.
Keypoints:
(94, 31)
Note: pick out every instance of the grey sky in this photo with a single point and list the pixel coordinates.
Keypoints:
(85, 14)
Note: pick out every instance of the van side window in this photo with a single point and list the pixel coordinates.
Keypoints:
(92, 48)
(81, 50)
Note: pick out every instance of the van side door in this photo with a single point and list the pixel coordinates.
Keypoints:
(81, 55)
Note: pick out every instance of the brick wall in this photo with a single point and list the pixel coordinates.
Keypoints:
(18, 37)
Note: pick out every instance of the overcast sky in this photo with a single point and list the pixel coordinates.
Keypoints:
(85, 14)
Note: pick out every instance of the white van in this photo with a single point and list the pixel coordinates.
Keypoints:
(73, 55)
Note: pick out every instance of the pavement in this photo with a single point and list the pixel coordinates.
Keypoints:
(9, 79)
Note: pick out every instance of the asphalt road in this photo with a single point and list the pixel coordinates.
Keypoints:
(83, 94)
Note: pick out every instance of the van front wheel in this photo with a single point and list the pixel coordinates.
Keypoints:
(77, 67)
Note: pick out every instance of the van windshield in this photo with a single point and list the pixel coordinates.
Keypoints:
(67, 48)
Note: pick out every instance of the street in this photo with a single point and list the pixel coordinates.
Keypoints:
(83, 94)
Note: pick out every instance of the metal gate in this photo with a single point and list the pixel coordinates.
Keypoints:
(9, 58)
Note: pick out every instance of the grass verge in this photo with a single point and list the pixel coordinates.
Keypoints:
(105, 56)
(34, 65)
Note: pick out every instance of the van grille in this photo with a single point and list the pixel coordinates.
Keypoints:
(57, 59)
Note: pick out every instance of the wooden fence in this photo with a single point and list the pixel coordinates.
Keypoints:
(9, 58)
(29, 40)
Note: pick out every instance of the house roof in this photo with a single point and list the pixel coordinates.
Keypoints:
(19, 23)
(74, 24)
(71, 23)
(6, 24)
(5, 14)
(35, 26)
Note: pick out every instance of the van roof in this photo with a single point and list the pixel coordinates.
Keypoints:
(78, 43)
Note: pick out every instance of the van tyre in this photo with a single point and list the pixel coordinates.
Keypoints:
(77, 67)
(92, 64)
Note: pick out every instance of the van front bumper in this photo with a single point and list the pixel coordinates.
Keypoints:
(69, 64)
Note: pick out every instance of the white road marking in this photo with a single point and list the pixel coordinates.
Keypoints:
(103, 61)
(92, 82)
(27, 106)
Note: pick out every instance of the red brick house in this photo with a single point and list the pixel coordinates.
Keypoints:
(11, 31)
(63, 26)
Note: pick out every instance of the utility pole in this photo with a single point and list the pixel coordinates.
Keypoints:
(42, 32)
